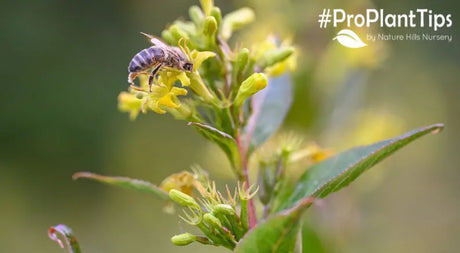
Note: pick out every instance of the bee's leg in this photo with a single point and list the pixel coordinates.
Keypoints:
(152, 76)
(131, 78)
(132, 85)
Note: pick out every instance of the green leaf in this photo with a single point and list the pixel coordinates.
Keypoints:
(125, 182)
(277, 234)
(311, 241)
(69, 243)
(224, 140)
(269, 108)
(337, 172)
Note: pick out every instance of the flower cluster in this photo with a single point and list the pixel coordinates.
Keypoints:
(223, 77)
(216, 216)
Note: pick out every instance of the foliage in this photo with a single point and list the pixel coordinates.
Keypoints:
(238, 97)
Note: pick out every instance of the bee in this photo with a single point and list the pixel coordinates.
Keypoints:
(151, 60)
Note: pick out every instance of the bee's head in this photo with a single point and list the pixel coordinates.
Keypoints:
(188, 66)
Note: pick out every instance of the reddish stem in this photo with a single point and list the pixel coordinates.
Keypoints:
(252, 218)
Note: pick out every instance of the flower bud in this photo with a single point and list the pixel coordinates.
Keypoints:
(183, 199)
(207, 5)
(224, 209)
(242, 60)
(168, 37)
(210, 26)
(212, 221)
(183, 239)
(249, 87)
(196, 15)
(229, 218)
(271, 57)
(178, 33)
(236, 20)
(216, 13)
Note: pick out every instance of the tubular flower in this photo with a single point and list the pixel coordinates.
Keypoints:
(163, 95)
(129, 102)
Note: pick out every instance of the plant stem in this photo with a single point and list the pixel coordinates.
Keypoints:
(252, 218)
(251, 210)
(224, 52)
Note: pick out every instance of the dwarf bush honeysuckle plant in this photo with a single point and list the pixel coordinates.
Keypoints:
(237, 97)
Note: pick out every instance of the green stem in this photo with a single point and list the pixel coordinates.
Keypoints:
(244, 215)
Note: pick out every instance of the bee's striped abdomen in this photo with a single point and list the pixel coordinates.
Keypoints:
(145, 59)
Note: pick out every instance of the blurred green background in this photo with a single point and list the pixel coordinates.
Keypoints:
(64, 63)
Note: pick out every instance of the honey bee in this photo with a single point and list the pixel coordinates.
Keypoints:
(151, 60)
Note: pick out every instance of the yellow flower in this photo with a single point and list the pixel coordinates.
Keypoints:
(182, 181)
(164, 96)
(199, 57)
(128, 102)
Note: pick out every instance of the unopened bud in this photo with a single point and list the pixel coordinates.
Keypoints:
(224, 209)
(183, 199)
(168, 37)
(210, 26)
(274, 56)
(207, 6)
(196, 15)
(212, 221)
(230, 219)
(249, 87)
(236, 20)
(242, 59)
(183, 239)
(178, 33)
(216, 13)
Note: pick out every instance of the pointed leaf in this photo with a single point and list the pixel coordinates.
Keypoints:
(125, 182)
(69, 243)
(311, 241)
(269, 108)
(276, 234)
(337, 172)
(224, 140)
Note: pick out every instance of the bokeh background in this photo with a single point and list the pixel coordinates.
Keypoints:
(63, 64)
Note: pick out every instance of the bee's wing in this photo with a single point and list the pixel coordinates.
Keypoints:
(179, 52)
(155, 41)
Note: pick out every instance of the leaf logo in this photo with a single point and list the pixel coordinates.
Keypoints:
(349, 39)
